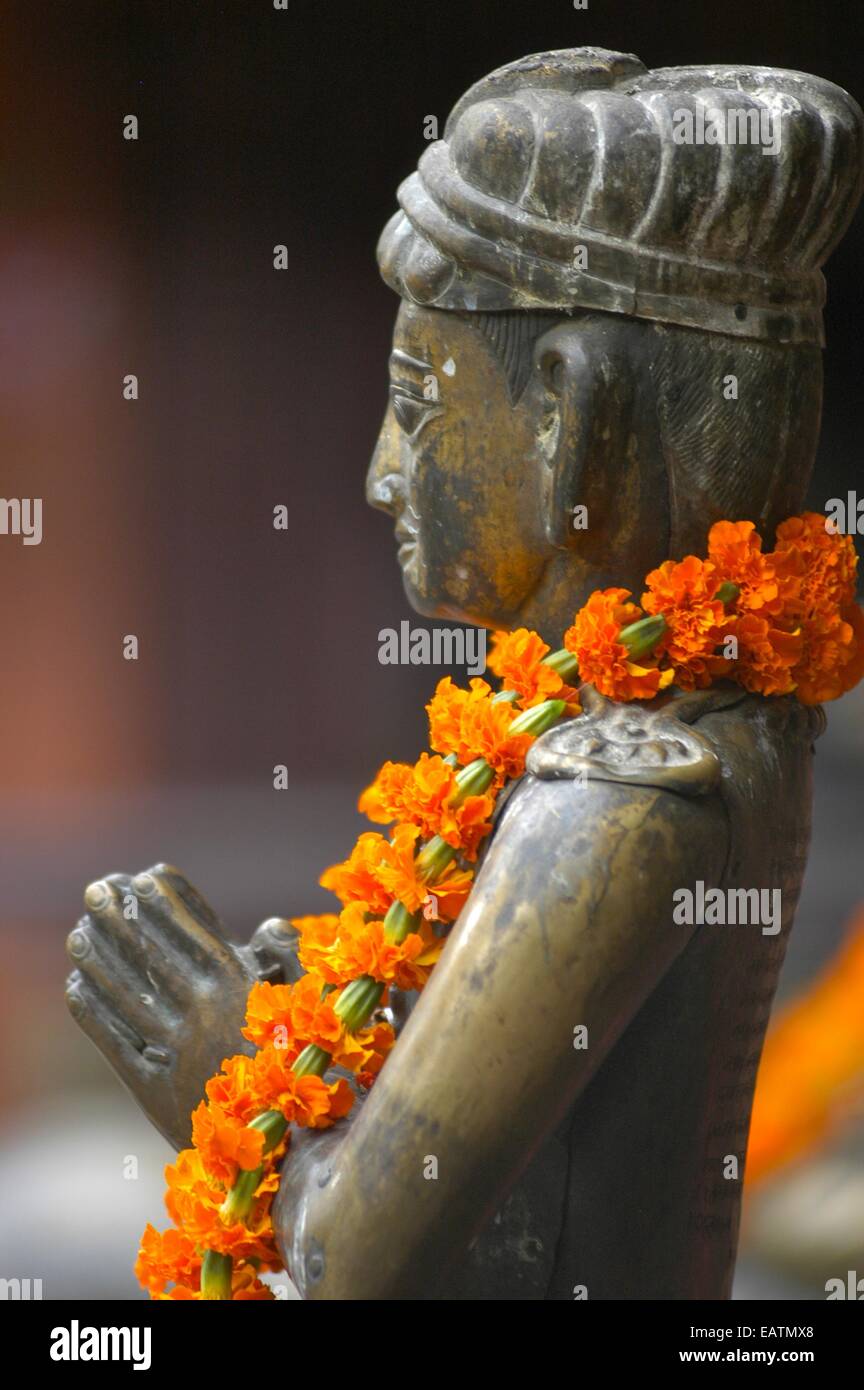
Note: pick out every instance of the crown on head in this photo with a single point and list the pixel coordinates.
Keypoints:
(703, 196)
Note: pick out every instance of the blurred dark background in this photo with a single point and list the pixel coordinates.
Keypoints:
(257, 647)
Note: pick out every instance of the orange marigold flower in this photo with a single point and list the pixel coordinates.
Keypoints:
(735, 550)
(358, 879)
(380, 872)
(317, 936)
(824, 563)
(308, 1101)
(397, 873)
(799, 628)
(224, 1144)
(245, 1286)
(466, 826)
(364, 1052)
(446, 897)
(470, 725)
(445, 715)
(424, 795)
(167, 1257)
(766, 655)
(696, 622)
(818, 570)
(318, 945)
(517, 659)
(233, 1089)
(381, 1039)
(194, 1200)
(268, 1008)
(401, 792)
(361, 947)
(833, 658)
(291, 1016)
(604, 662)
(313, 1018)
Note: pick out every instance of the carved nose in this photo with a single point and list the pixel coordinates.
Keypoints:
(385, 482)
(387, 493)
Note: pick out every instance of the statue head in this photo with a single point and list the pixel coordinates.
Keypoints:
(610, 332)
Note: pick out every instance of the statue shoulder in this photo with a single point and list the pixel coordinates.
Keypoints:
(671, 743)
(650, 814)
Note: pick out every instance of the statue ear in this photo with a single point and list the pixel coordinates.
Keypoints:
(584, 412)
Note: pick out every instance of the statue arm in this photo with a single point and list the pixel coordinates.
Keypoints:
(569, 923)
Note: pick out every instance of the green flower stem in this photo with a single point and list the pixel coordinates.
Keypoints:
(728, 592)
(358, 1000)
(238, 1203)
(564, 664)
(274, 1125)
(473, 780)
(399, 922)
(641, 637)
(216, 1276)
(313, 1061)
(539, 718)
(434, 858)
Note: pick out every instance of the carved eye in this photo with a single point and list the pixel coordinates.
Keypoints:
(411, 412)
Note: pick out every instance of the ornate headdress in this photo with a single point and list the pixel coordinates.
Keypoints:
(581, 180)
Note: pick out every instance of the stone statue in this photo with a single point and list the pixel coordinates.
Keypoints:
(614, 314)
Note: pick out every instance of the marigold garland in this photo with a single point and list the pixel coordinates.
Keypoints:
(777, 624)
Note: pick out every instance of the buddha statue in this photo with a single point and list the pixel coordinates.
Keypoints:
(609, 337)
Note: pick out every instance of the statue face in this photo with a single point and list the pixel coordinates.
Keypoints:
(484, 493)
(456, 465)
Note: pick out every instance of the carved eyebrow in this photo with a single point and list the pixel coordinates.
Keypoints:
(398, 358)
(409, 394)
(408, 388)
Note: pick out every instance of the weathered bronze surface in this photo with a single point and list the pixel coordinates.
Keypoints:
(561, 1171)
